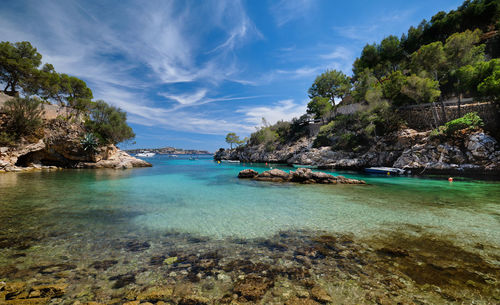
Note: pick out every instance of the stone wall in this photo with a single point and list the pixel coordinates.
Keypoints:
(420, 118)
(50, 111)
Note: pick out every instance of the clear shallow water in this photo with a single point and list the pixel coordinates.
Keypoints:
(107, 234)
(204, 198)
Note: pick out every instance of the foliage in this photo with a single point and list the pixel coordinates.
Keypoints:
(471, 120)
(7, 138)
(461, 49)
(89, 142)
(481, 79)
(319, 107)
(429, 58)
(330, 84)
(363, 83)
(24, 116)
(420, 89)
(232, 138)
(18, 64)
(108, 123)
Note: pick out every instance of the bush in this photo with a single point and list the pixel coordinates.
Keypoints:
(108, 123)
(24, 117)
(7, 139)
(471, 120)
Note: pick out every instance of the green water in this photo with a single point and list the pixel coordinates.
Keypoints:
(204, 198)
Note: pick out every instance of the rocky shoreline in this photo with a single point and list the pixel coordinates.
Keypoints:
(474, 153)
(60, 147)
(301, 175)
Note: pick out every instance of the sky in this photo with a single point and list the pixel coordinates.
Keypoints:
(189, 72)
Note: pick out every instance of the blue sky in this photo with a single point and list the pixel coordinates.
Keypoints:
(189, 72)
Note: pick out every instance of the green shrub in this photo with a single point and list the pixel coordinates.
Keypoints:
(24, 117)
(471, 120)
(7, 139)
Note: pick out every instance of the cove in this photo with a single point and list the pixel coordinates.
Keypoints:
(192, 225)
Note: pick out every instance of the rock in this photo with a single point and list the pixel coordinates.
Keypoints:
(37, 301)
(300, 301)
(481, 145)
(247, 173)
(103, 265)
(194, 300)
(50, 291)
(156, 294)
(137, 246)
(275, 175)
(302, 175)
(320, 295)
(170, 260)
(252, 287)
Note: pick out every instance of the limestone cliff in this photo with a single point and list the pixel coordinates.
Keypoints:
(60, 147)
(475, 152)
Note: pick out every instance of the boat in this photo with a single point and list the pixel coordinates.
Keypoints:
(304, 166)
(146, 154)
(231, 161)
(385, 170)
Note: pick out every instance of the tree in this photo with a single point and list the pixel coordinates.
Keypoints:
(232, 138)
(319, 107)
(422, 90)
(330, 84)
(108, 123)
(461, 49)
(18, 64)
(364, 82)
(429, 58)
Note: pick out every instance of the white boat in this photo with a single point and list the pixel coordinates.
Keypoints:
(146, 154)
(304, 166)
(231, 161)
(385, 170)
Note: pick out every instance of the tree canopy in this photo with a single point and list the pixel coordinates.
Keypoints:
(232, 138)
(330, 84)
(108, 123)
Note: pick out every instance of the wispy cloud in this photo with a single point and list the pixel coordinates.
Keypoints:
(281, 110)
(358, 32)
(285, 11)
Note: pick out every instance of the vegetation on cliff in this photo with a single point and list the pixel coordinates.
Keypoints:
(33, 86)
(455, 54)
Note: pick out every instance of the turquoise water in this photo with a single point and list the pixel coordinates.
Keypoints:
(106, 233)
(204, 198)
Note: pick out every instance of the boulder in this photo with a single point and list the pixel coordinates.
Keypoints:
(247, 173)
(481, 145)
(276, 175)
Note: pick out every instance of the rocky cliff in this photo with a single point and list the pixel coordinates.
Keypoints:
(475, 152)
(59, 147)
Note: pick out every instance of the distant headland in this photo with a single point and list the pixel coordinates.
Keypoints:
(169, 151)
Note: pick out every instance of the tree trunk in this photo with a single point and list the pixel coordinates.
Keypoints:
(435, 114)
(458, 104)
(443, 110)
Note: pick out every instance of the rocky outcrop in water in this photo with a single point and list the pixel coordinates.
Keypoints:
(474, 152)
(60, 147)
(301, 175)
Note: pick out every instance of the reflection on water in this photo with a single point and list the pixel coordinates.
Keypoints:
(107, 232)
